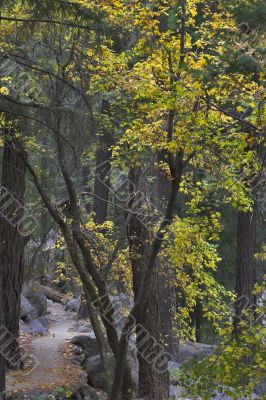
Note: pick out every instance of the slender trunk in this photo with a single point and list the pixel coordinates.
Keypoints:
(12, 239)
(176, 166)
(84, 309)
(87, 270)
(101, 342)
(196, 320)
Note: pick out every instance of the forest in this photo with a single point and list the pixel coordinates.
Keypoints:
(132, 199)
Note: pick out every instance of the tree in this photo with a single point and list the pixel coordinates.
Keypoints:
(170, 98)
(12, 232)
(2, 324)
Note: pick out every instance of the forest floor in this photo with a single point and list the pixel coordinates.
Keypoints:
(53, 352)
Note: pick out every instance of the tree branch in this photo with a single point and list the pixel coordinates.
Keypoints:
(48, 21)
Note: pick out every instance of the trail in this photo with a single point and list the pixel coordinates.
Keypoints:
(52, 352)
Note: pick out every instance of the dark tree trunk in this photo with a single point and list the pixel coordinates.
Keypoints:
(103, 166)
(152, 384)
(196, 319)
(245, 264)
(167, 294)
(12, 237)
(2, 324)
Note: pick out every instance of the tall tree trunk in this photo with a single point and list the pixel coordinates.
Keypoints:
(153, 385)
(2, 324)
(167, 294)
(245, 264)
(176, 166)
(12, 241)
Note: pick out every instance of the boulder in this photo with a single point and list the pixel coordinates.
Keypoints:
(27, 311)
(173, 368)
(175, 392)
(261, 388)
(73, 305)
(121, 303)
(35, 295)
(96, 377)
(24, 328)
(44, 321)
(190, 351)
(36, 328)
(88, 343)
(83, 329)
(92, 363)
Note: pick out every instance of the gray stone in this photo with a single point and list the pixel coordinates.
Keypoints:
(24, 328)
(35, 295)
(96, 376)
(261, 388)
(27, 311)
(88, 343)
(175, 392)
(83, 328)
(190, 351)
(73, 305)
(37, 328)
(44, 321)
(93, 365)
(173, 368)
(121, 303)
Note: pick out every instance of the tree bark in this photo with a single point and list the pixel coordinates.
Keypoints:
(152, 385)
(2, 324)
(167, 294)
(12, 240)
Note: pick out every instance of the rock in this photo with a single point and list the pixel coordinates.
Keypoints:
(35, 295)
(96, 377)
(83, 329)
(73, 305)
(121, 303)
(261, 388)
(27, 311)
(77, 360)
(173, 368)
(92, 363)
(24, 328)
(88, 393)
(88, 343)
(77, 350)
(190, 351)
(44, 321)
(175, 392)
(37, 329)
